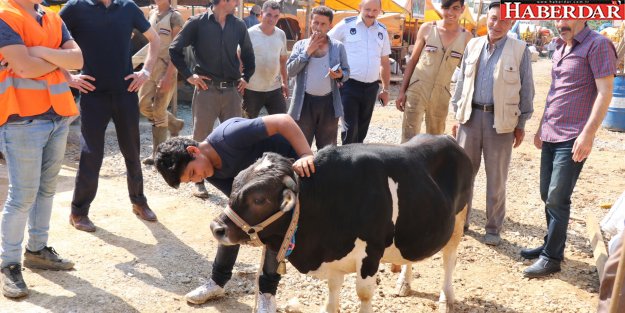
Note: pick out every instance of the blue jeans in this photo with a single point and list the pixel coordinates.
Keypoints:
(558, 175)
(34, 151)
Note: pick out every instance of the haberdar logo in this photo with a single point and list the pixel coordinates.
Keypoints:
(563, 10)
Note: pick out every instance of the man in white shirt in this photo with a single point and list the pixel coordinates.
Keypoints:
(268, 86)
(368, 47)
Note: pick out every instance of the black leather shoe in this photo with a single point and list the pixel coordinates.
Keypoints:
(531, 253)
(541, 268)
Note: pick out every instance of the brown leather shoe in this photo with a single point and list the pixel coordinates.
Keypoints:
(81, 223)
(144, 212)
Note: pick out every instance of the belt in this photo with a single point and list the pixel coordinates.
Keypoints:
(483, 107)
(363, 84)
(223, 84)
(329, 94)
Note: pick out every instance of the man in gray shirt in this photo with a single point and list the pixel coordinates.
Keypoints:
(492, 102)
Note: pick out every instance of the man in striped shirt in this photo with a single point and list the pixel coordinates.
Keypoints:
(584, 64)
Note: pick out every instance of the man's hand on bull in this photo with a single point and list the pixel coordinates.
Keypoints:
(304, 166)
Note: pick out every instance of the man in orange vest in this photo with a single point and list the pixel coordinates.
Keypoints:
(108, 88)
(36, 104)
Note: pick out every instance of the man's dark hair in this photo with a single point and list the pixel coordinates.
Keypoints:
(446, 4)
(323, 10)
(494, 4)
(273, 5)
(172, 158)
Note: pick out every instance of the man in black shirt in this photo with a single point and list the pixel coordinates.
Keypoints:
(217, 78)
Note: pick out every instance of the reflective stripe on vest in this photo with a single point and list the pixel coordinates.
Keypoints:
(30, 97)
(23, 83)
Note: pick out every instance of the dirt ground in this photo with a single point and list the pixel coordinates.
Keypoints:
(129, 265)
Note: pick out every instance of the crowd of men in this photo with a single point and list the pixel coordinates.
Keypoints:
(339, 74)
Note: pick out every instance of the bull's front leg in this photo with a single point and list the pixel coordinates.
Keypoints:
(365, 288)
(335, 282)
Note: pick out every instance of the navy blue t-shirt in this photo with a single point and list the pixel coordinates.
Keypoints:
(239, 142)
(103, 35)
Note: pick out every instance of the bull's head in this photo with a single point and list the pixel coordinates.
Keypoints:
(262, 197)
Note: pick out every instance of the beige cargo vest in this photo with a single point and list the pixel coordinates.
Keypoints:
(506, 87)
(437, 64)
(163, 28)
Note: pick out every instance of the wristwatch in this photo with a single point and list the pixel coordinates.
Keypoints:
(146, 72)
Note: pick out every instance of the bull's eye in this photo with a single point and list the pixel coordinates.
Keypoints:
(260, 201)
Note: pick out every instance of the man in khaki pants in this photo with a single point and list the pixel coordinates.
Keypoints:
(493, 100)
(156, 93)
(436, 54)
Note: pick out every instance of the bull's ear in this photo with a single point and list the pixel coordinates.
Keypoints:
(289, 198)
(290, 183)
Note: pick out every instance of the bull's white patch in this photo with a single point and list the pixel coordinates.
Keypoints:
(265, 163)
(347, 264)
(392, 186)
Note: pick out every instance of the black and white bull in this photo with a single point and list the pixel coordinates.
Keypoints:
(365, 204)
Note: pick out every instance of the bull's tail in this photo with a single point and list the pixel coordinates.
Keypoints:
(449, 261)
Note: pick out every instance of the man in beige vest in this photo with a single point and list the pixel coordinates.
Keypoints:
(156, 93)
(492, 102)
(436, 54)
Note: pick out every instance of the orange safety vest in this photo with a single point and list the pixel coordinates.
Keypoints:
(34, 96)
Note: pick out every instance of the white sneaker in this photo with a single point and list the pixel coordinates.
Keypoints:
(266, 303)
(206, 292)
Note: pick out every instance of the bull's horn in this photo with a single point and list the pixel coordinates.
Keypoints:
(289, 183)
(288, 200)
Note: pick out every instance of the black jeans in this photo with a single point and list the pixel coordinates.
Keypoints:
(227, 256)
(358, 102)
(96, 110)
(253, 101)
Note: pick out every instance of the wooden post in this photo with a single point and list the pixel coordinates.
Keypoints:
(174, 99)
(619, 280)
(240, 10)
(599, 252)
(308, 12)
(477, 20)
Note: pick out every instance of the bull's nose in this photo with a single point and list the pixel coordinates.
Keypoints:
(219, 231)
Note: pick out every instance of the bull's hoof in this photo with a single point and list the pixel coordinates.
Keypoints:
(444, 307)
(403, 289)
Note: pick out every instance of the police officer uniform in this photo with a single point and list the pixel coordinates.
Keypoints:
(365, 46)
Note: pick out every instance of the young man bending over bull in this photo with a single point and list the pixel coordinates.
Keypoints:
(230, 148)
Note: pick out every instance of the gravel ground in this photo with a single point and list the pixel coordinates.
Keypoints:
(133, 266)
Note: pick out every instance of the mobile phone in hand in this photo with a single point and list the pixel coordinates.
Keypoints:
(334, 69)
